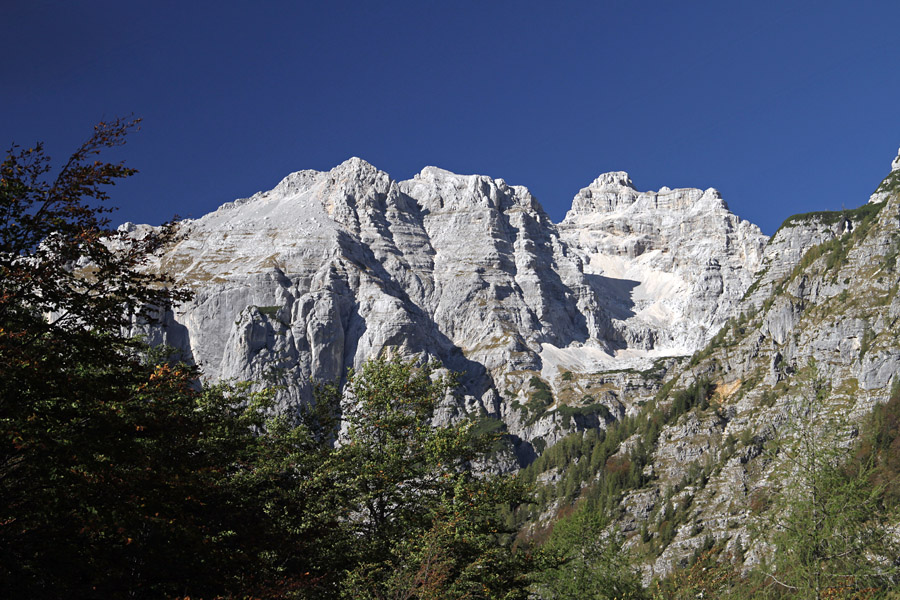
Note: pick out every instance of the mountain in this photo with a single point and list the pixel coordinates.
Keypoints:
(299, 283)
(825, 296)
(650, 350)
(678, 258)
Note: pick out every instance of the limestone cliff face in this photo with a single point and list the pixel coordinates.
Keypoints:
(672, 265)
(558, 328)
(827, 292)
(884, 190)
(329, 268)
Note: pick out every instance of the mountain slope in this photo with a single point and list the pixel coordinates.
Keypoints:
(827, 295)
(299, 283)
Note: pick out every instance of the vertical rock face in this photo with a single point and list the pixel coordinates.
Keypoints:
(671, 265)
(884, 190)
(827, 295)
(503, 280)
(329, 268)
(787, 247)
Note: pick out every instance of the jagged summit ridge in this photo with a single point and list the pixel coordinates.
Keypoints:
(615, 191)
(684, 257)
(332, 267)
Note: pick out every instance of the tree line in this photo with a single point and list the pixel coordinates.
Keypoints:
(121, 475)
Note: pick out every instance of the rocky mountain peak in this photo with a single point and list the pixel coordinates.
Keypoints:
(332, 267)
(888, 184)
(437, 189)
(354, 164)
(613, 179)
(296, 182)
(609, 192)
(682, 284)
(355, 174)
(614, 192)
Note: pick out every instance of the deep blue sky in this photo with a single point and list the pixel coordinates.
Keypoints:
(785, 107)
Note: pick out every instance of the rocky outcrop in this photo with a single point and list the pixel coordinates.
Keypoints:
(826, 296)
(884, 190)
(299, 283)
(671, 265)
(788, 246)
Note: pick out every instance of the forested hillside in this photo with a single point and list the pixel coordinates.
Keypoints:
(765, 465)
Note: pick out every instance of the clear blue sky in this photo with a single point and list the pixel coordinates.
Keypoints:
(785, 107)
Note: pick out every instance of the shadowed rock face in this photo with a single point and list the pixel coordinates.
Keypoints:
(329, 268)
(675, 263)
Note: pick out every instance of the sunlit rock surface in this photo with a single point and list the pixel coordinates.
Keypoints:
(670, 266)
(299, 283)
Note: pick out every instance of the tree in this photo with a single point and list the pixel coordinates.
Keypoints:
(67, 286)
(423, 524)
(590, 560)
(63, 271)
(118, 474)
(711, 575)
(827, 519)
(402, 464)
(459, 555)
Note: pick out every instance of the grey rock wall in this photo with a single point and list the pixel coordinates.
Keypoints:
(299, 283)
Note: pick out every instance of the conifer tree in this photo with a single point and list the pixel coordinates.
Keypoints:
(827, 520)
(590, 560)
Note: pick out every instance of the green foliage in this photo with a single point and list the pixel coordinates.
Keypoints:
(487, 426)
(456, 557)
(419, 521)
(540, 399)
(879, 447)
(541, 396)
(829, 523)
(666, 389)
(596, 408)
(126, 479)
(122, 476)
(697, 395)
(590, 462)
(710, 575)
(588, 560)
(825, 217)
(110, 466)
(395, 460)
(269, 311)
